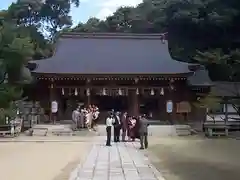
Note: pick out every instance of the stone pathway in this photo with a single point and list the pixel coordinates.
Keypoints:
(121, 161)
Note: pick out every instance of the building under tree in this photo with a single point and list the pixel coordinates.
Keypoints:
(121, 71)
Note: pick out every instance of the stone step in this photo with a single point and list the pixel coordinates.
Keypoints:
(184, 133)
(183, 130)
(62, 132)
(39, 132)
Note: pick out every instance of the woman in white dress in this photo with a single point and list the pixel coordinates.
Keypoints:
(89, 116)
(95, 118)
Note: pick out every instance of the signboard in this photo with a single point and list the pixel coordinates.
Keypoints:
(183, 107)
(169, 106)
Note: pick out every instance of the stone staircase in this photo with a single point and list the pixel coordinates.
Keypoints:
(183, 130)
(65, 130)
(57, 130)
(50, 130)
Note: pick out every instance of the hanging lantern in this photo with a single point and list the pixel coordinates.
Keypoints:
(136, 80)
(119, 92)
(171, 84)
(162, 91)
(18, 112)
(63, 91)
(137, 91)
(152, 92)
(7, 120)
(75, 92)
(104, 92)
(88, 92)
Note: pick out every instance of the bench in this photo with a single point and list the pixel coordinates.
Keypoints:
(13, 129)
(216, 129)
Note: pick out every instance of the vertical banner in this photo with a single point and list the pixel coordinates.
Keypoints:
(169, 106)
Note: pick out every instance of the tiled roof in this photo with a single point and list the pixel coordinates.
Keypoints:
(200, 78)
(103, 53)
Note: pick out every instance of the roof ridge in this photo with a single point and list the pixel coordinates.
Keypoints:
(113, 35)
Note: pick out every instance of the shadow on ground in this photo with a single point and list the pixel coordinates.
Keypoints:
(196, 159)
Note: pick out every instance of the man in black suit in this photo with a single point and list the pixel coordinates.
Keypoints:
(117, 127)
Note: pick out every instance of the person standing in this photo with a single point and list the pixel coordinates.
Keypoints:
(133, 128)
(117, 127)
(89, 119)
(75, 118)
(82, 118)
(143, 132)
(124, 122)
(109, 123)
(95, 117)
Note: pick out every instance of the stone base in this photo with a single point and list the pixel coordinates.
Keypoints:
(158, 130)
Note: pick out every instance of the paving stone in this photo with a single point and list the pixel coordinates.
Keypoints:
(122, 161)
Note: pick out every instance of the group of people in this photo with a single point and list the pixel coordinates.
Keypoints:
(85, 117)
(131, 127)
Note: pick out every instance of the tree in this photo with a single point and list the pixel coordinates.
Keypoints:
(230, 63)
(26, 14)
(55, 13)
(48, 15)
(15, 50)
(92, 25)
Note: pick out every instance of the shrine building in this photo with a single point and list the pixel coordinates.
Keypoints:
(120, 71)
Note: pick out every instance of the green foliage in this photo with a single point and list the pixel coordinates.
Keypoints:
(10, 112)
(48, 15)
(229, 62)
(21, 40)
(210, 101)
(15, 49)
(9, 93)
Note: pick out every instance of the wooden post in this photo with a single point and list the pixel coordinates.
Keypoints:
(161, 108)
(88, 91)
(171, 97)
(89, 99)
(52, 96)
(226, 110)
(133, 103)
(135, 99)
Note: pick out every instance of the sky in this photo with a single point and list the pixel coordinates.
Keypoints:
(90, 8)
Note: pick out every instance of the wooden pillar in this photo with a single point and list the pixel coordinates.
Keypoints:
(226, 110)
(89, 99)
(88, 92)
(133, 102)
(161, 108)
(171, 97)
(135, 99)
(52, 92)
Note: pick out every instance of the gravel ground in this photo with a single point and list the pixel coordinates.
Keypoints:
(40, 161)
(193, 158)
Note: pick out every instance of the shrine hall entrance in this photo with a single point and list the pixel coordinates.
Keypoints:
(107, 103)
